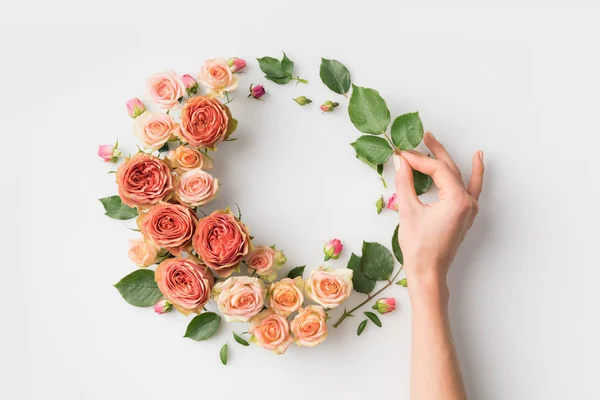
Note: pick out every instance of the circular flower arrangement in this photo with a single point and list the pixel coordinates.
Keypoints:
(208, 265)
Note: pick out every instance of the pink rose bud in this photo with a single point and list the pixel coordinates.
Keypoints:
(135, 107)
(384, 306)
(109, 153)
(328, 106)
(333, 249)
(257, 91)
(163, 306)
(190, 83)
(392, 203)
(236, 64)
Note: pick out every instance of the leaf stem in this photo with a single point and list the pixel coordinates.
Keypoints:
(390, 140)
(299, 80)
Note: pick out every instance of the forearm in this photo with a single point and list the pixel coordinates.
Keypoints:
(435, 372)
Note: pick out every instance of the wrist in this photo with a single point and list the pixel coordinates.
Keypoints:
(428, 287)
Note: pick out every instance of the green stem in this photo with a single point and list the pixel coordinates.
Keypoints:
(299, 80)
(390, 140)
(369, 298)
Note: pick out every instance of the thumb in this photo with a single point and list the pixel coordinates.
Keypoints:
(405, 188)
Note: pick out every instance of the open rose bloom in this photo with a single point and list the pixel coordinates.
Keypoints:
(329, 287)
(144, 180)
(240, 297)
(265, 261)
(205, 122)
(217, 77)
(310, 326)
(196, 188)
(166, 89)
(155, 129)
(185, 158)
(285, 296)
(170, 226)
(271, 331)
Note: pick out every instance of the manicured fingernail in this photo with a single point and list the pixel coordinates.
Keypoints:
(397, 161)
(481, 155)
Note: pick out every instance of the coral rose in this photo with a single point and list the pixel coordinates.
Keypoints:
(144, 180)
(205, 122)
(217, 77)
(329, 287)
(165, 88)
(285, 296)
(168, 225)
(186, 159)
(222, 242)
(142, 252)
(310, 326)
(185, 284)
(266, 261)
(196, 188)
(240, 297)
(271, 331)
(155, 129)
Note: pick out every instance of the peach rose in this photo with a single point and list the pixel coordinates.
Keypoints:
(165, 88)
(186, 159)
(266, 261)
(185, 284)
(144, 180)
(271, 331)
(205, 122)
(221, 241)
(329, 287)
(240, 297)
(196, 188)
(142, 252)
(310, 326)
(285, 296)
(168, 225)
(155, 129)
(217, 77)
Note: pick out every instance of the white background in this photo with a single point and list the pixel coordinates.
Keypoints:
(521, 84)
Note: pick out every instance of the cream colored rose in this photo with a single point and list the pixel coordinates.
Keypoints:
(266, 261)
(329, 287)
(217, 77)
(285, 296)
(196, 188)
(310, 326)
(166, 89)
(142, 252)
(271, 331)
(155, 129)
(240, 297)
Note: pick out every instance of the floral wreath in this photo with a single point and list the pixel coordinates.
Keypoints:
(212, 258)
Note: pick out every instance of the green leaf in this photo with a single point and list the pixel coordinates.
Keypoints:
(164, 148)
(295, 272)
(360, 283)
(396, 246)
(368, 111)
(287, 65)
(335, 76)
(374, 318)
(223, 354)
(139, 288)
(279, 81)
(115, 208)
(271, 67)
(240, 339)
(375, 150)
(361, 327)
(422, 182)
(376, 262)
(407, 131)
(203, 326)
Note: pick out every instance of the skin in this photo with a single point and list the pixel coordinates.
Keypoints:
(430, 235)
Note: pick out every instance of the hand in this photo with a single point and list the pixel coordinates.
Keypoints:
(430, 234)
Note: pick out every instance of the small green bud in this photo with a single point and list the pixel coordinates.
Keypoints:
(302, 100)
(402, 282)
(380, 204)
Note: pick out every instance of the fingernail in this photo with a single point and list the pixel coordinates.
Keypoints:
(481, 155)
(397, 161)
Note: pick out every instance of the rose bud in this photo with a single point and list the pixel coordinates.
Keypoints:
(257, 91)
(392, 203)
(328, 106)
(302, 100)
(402, 282)
(135, 107)
(236, 64)
(380, 204)
(191, 86)
(109, 153)
(333, 249)
(384, 306)
(162, 306)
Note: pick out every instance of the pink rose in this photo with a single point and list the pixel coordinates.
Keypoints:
(271, 331)
(135, 107)
(328, 106)
(217, 77)
(196, 187)
(155, 129)
(329, 287)
(165, 88)
(385, 305)
(257, 91)
(187, 158)
(310, 326)
(392, 203)
(170, 226)
(190, 83)
(162, 306)
(240, 297)
(144, 180)
(222, 242)
(205, 122)
(142, 252)
(285, 296)
(236, 64)
(109, 153)
(333, 249)
(266, 261)
(185, 284)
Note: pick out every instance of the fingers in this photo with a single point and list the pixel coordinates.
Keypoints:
(440, 172)
(405, 188)
(476, 182)
(439, 151)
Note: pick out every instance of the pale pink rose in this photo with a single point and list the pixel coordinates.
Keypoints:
(162, 306)
(205, 122)
(189, 82)
(187, 158)
(392, 203)
(165, 88)
(108, 153)
(266, 261)
(236, 64)
(333, 249)
(144, 180)
(310, 326)
(271, 331)
(196, 187)
(184, 283)
(329, 287)
(285, 296)
(155, 129)
(170, 226)
(217, 77)
(240, 297)
(135, 107)
(142, 252)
